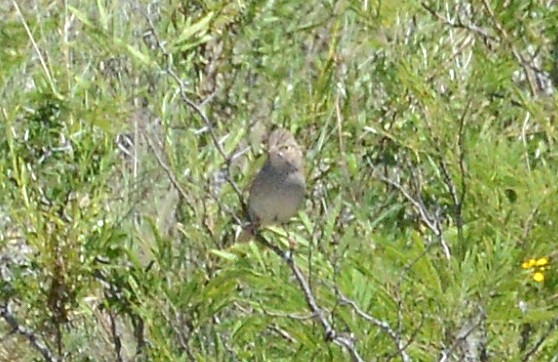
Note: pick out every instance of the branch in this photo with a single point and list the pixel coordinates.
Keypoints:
(459, 23)
(286, 315)
(115, 337)
(520, 59)
(208, 125)
(463, 190)
(283, 333)
(431, 221)
(331, 335)
(378, 323)
(456, 196)
(474, 348)
(39, 345)
(541, 340)
(170, 174)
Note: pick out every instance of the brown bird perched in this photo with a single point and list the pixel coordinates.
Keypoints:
(277, 191)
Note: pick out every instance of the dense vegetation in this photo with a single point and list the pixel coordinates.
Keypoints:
(131, 128)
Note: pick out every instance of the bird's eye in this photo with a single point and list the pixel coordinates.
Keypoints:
(284, 147)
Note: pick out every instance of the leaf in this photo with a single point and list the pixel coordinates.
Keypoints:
(143, 58)
(81, 16)
(224, 254)
(199, 28)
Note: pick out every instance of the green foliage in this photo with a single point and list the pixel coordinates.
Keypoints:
(429, 134)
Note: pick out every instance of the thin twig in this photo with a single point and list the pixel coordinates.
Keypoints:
(170, 174)
(459, 23)
(293, 316)
(39, 345)
(462, 337)
(182, 91)
(283, 333)
(518, 56)
(378, 323)
(541, 340)
(463, 191)
(432, 222)
(36, 48)
(115, 337)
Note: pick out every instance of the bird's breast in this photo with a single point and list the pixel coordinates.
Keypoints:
(276, 199)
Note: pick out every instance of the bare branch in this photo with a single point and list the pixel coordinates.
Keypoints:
(39, 345)
(474, 347)
(431, 221)
(378, 323)
(170, 174)
(293, 316)
(283, 333)
(518, 56)
(340, 339)
(459, 23)
(544, 337)
(463, 187)
(208, 125)
(115, 337)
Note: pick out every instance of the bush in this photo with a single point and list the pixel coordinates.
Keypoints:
(132, 130)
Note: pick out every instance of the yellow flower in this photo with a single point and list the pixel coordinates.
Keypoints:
(542, 262)
(538, 277)
(529, 264)
(537, 267)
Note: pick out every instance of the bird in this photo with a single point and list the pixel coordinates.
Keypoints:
(278, 189)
